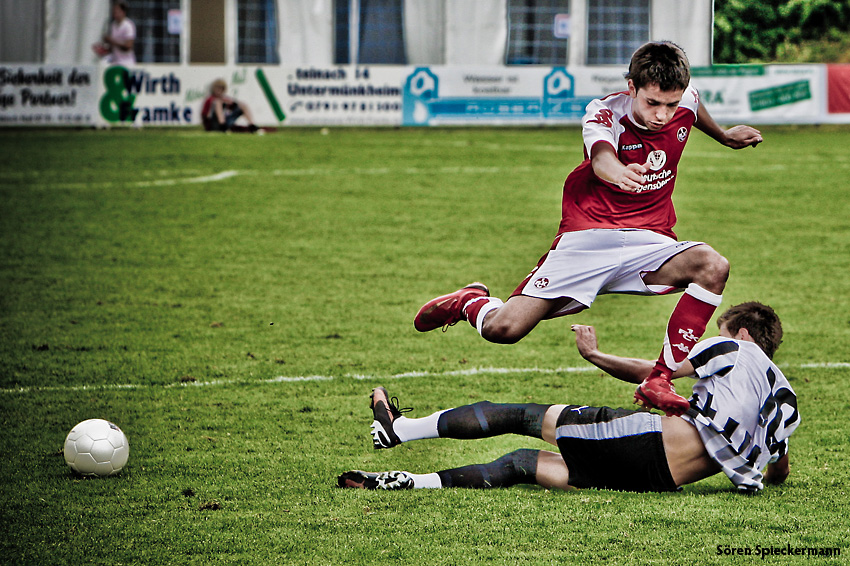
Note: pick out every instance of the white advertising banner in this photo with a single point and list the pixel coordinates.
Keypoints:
(173, 95)
(166, 95)
(276, 96)
(436, 96)
(48, 95)
(344, 96)
(763, 94)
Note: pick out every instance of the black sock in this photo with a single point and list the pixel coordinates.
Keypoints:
(519, 466)
(485, 419)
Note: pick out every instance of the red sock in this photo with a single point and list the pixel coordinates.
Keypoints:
(686, 326)
(473, 308)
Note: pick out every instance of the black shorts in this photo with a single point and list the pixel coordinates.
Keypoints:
(617, 449)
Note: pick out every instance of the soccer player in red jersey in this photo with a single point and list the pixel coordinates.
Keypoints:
(616, 232)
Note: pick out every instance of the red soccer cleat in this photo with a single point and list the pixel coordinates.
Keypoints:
(657, 392)
(447, 310)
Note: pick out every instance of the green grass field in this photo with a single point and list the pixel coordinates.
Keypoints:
(230, 301)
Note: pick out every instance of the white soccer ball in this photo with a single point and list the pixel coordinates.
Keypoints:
(96, 448)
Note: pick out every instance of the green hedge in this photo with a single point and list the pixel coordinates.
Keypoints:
(789, 31)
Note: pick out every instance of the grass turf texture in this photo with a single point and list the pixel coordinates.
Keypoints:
(140, 287)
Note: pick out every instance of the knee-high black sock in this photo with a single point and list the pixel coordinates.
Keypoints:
(519, 466)
(485, 419)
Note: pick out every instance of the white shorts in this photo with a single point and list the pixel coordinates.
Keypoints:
(582, 265)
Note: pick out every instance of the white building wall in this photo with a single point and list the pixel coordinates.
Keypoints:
(688, 24)
(306, 29)
(439, 32)
(71, 27)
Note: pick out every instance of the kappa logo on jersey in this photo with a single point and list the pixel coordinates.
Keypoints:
(604, 117)
(657, 159)
(682, 134)
(688, 334)
(542, 283)
(631, 146)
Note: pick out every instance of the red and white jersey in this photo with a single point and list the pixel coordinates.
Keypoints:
(589, 202)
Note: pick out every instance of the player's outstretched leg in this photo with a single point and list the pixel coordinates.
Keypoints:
(517, 467)
(479, 420)
(448, 310)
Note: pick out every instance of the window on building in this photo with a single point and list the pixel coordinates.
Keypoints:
(369, 32)
(257, 32)
(615, 29)
(342, 37)
(154, 43)
(538, 32)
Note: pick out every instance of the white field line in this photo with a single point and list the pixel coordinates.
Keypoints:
(325, 171)
(154, 183)
(310, 172)
(405, 375)
(205, 179)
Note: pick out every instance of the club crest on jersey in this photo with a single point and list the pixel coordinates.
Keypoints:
(657, 159)
(682, 134)
(542, 283)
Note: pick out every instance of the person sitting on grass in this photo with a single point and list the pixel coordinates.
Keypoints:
(220, 112)
(741, 413)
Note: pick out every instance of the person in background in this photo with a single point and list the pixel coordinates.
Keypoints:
(220, 112)
(116, 46)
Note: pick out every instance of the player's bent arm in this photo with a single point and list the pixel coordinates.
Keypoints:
(778, 471)
(126, 45)
(630, 370)
(736, 137)
(608, 167)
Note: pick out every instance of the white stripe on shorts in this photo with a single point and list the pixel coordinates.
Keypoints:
(630, 425)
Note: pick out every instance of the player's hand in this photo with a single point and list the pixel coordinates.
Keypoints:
(631, 179)
(586, 341)
(740, 137)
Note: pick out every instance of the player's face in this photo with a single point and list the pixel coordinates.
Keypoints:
(653, 107)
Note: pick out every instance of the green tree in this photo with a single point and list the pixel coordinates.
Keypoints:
(784, 31)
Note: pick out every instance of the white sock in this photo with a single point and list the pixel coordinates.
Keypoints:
(492, 304)
(426, 481)
(408, 429)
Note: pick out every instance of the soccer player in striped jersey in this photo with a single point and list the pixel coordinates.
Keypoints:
(740, 416)
(616, 231)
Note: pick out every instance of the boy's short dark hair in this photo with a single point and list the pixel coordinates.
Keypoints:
(761, 322)
(662, 63)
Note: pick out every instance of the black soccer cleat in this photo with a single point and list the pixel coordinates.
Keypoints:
(359, 479)
(385, 411)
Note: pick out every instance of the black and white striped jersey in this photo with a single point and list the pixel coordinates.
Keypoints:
(743, 407)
